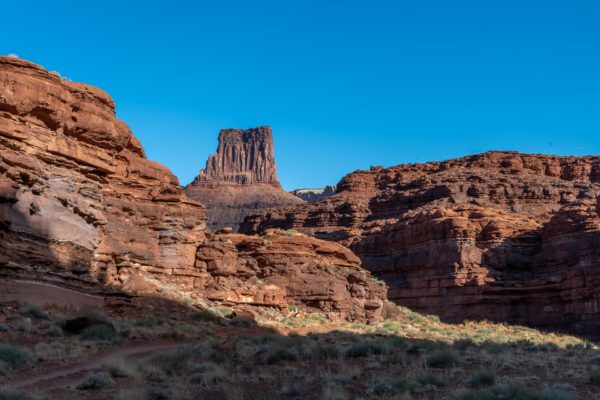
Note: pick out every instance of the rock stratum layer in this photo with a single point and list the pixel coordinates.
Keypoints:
(501, 236)
(241, 178)
(82, 207)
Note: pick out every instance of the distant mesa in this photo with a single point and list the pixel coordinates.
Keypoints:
(240, 178)
(314, 194)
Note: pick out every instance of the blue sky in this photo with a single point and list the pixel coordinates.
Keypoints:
(344, 84)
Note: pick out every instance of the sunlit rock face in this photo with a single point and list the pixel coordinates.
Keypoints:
(501, 235)
(79, 201)
(240, 178)
(81, 207)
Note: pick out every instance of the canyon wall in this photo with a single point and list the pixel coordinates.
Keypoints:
(501, 236)
(82, 207)
(240, 178)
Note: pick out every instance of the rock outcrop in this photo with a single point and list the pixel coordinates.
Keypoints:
(241, 178)
(281, 268)
(81, 207)
(501, 235)
(313, 195)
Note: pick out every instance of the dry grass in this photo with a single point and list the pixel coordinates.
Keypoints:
(295, 356)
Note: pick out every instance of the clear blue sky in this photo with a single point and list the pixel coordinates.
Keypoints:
(344, 84)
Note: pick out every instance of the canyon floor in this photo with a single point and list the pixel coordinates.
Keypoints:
(164, 350)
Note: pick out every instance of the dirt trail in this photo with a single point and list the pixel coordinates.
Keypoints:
(70, 375)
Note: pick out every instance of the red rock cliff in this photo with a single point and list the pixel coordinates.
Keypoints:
(82, 207)
(501, 235)
(240, 178)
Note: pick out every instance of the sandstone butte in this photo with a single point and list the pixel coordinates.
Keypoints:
(241, 178)
(81, 207)
(500, 236)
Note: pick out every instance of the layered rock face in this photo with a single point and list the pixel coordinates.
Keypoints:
(314, 194)
(501, 235)
(282, 268)
(240, 178)
(82, 207)
(79, 201)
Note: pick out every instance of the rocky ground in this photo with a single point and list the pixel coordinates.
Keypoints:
(161, 350)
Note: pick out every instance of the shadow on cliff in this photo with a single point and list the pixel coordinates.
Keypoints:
(29, 254)
(525, 279)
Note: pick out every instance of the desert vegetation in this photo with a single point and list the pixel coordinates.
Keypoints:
(218, 354)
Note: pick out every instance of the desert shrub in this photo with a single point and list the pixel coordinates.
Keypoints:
(242, 322)
(463, 344)
(397, 343)
(496, 348)
(324, 352)
(208, 374)
(4, 368)
(594, 377)
(364, 349)
(50, 351)
(403, 386)
(98, 333)
(96, 381)
(420, 347)
(333, 391)
(118, 368)
(206, 316)
(51, 330)
(431, 379)
(222, 311)
(554, 394)
(152, 373)
(174, 361)
(292, 308)
(26, 327)
(512, 393)
(61, 320)
(442, 359)
(131, 394)
(382, 389)
(123, 327)
(281, 353)
(149, 321)
(395, 358)
(156, 393)
(33, 312)
(293, 388)
(482, 379)
(15, 357)
(14, 394)
(97, 315)
(594, 359)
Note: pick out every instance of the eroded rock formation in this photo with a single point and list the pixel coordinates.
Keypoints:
(501, 235)
(240, 178)
(82, 207)
(281, 268)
